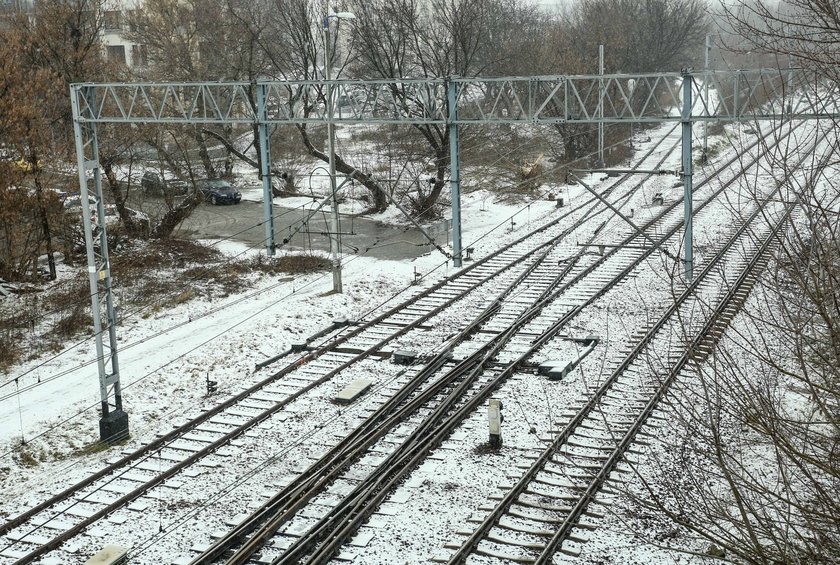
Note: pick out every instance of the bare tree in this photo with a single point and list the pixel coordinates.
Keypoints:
(435, 39)
(638, 36)
(201, 40)
(806, 31)
(44, 49)
(753, 465)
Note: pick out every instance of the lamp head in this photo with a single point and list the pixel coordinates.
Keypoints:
(340, 16)
(345, 15)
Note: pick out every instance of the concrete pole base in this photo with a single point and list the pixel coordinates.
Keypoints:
(113, 427)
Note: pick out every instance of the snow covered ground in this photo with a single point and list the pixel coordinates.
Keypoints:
(165, 359)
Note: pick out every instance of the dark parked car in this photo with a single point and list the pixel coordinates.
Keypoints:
(218, 191)
(152, 183)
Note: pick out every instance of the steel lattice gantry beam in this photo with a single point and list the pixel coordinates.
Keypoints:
(731, 96)
(686, 97)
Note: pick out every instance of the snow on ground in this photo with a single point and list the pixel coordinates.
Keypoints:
(166, 357)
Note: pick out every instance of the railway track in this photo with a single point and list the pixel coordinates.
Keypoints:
(459, 391)
(117, 486)
(47, 525)
(544, 507)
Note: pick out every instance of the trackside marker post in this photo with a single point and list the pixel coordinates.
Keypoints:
(494, 416)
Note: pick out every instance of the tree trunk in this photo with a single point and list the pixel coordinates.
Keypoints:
(45, 224)
(175, 216)
(380, 200)
(204, 154)
(127, 220)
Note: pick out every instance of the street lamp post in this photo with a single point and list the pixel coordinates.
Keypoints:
(705, 155)
(335, 242)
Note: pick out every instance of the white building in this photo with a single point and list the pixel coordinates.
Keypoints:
(117, 47)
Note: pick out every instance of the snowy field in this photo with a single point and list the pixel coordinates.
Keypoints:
(166, 358)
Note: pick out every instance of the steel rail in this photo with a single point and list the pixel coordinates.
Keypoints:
(159, 443)
(510, 497)
(253, 546)
(336, 342)
(713, 324)
(734, 298)
(321, 473)
(364, 499)
(292, 497)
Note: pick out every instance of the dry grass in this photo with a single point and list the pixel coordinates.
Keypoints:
(290, 264)
(148, 279)
(73, 323)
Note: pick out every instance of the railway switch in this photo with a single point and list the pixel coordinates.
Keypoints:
(495, 418)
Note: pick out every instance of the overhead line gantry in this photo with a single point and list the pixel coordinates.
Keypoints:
(686, 97)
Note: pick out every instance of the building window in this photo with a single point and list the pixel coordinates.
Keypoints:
(116, 53)
(113, 20)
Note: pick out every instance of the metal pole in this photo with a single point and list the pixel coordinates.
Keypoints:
(600, 162)
(265, 170)
(455, 170)
(706, 98)
(788, 95)
(687, 175)
(113, 425)
(335, 249)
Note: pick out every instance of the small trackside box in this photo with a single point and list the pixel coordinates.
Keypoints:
(109, 555)
(404, 357)
(352, 391)
(559, 372)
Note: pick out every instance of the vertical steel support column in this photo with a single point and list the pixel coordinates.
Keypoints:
(787, 97)
(455, 170)
(335, 242)
(706, 98)
(265, 170)
(113, 425)
(600, 163)
(687, 175)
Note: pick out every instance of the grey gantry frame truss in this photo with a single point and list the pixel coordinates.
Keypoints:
(686, 97)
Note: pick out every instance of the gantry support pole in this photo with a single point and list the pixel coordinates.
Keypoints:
(455, 170)
(706, 98)
(335, 237)
(687, 176)
(600, 163)
(265, 170)
(113, 425)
